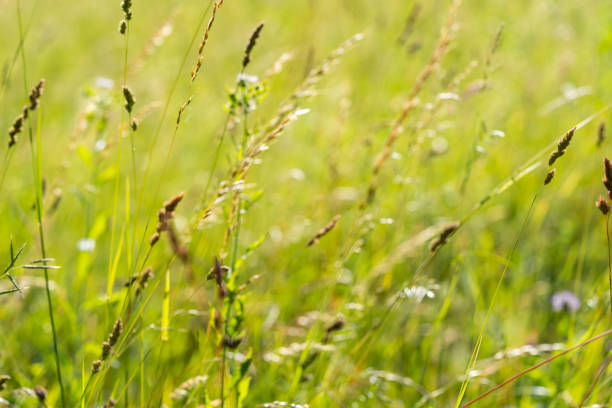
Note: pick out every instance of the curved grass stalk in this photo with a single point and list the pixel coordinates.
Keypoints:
(476, 350)
(536, 366)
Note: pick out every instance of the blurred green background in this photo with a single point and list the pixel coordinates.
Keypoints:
(550, 71)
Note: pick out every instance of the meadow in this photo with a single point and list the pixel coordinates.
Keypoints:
(305, 203)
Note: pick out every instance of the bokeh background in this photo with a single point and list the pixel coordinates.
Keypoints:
(549, 71)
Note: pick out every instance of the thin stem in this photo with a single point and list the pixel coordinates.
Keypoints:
(602, 369)
(609, 258)
(540, 364)
(476, 350)
(36, 168)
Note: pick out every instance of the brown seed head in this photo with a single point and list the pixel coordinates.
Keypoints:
(117, 329)
(554, 156)
(444, 235)
(129, 98)
(230, 342)
(601, 133)
(110, 404)
(566, 139)
(607, 172)
(323, 231)
(252, 41)
(3, 380)
(549, 176)
(35, 94)
(603, 205)
(126, 6)
(95, 367)
(41, 393)
(106, 348)
(171, 204)
(154, 238)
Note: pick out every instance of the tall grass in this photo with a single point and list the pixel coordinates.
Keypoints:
(330, 219)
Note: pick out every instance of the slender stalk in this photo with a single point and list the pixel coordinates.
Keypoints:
(476, 350)
(609, 258)
(36, 154)
(540, 364)
(602, 369)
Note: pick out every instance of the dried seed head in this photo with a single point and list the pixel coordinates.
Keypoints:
(15, 130)
(41, 393)
(129, 99)
(146, 276)
(554, 156)
(117, 329)
(130, 281)
(134, 124)
(122, 27)
(126, 6)
(218, 274)
(607, 171)
(35, 94)
(95, 367)
(561, 146)
(106, 348)
(444, 235)
(110, 404)
(252, 41)
(566, 139)
(603, 205)
(154, 238)
(601, 133)
(231, 343)
(338, 324)
(3, 380)
(171, 204)
(549, 176)
(323, 231)
(144, 279)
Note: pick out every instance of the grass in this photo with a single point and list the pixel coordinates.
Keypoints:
(260, 204)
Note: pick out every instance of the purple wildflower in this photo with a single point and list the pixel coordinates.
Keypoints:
(565, 299)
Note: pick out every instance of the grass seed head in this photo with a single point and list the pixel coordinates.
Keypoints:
(3, 380)
(36, 93)
(126, 6)
(106, 349)
(95, 367)
(603, 205)
(129, 99)
(117, 329)
(171, 204)
(554, 156)
(324, 231)
(601, 133)
(110, 404)
(549, 176)
(231, 342)
(15, 130)
(444, 235)
(607, 170)
(252, 42)
(566, 139)
(41, 393)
